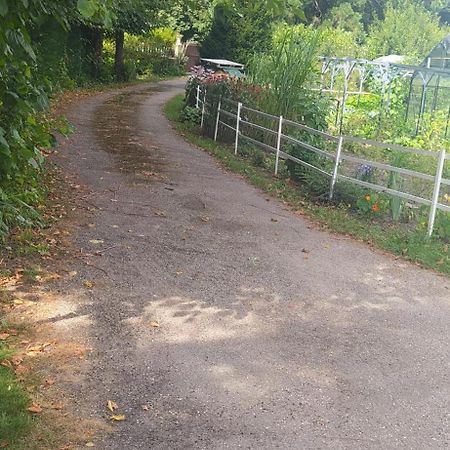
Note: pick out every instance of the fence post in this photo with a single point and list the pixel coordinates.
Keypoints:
(337, 161)
(238, 121)
(280, 131)
(197, 99)
(216, 129)
(436, 191)
(203, 110)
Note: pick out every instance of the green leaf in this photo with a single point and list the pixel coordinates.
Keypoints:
(33, 163)
(87, 8)
(3, 8)
(4, 142)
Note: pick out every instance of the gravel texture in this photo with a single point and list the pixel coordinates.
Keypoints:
(219, 319)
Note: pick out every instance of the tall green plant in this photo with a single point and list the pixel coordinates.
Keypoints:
(285, 70)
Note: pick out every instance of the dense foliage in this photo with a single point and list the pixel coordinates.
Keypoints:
(49, 45)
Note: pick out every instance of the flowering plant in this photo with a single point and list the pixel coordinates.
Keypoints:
(369, 204)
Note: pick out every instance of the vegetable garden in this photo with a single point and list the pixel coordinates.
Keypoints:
(345, 138)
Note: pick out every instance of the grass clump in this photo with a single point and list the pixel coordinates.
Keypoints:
(15, 421)
(410, 244)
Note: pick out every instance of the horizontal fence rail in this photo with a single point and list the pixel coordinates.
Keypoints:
(240, 115)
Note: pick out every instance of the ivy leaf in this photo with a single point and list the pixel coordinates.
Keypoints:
(87, 8)
(3, 8)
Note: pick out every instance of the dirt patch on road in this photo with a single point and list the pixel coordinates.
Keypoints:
(134, 154)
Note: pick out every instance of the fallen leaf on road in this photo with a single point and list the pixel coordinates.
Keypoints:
(154, 324)
(96, 241)
(178, 273)
(16, 360)
(145, 407)
(37, 349)
(273, 220)
(111, 405)
(35, 408)
(118, 418)
(304, 250)
(58, 406)
(90, 444)
(204, 219)
(88, 284)
(160, 213)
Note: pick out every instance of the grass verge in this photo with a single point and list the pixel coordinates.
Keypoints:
(412, 245)
(15, 421)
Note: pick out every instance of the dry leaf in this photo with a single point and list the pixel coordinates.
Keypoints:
(4, 336)
(21, 370)
(35, 408)
(204, 219)
(90, 444)
(111, 405)
(145, 407)
(160, 213)
(274, 220)
(96, 241)
(88, 284)
(4, 444)
(58, 406)
(117, 418)
(154, 324)
(17, 359)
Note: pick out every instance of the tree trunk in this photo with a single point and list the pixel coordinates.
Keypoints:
(118, 59)
(98, 49)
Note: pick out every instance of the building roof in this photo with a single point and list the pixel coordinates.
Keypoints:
(223, 63)
(439, 57)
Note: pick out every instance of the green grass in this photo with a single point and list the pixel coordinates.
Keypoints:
(410, 244)
(15, 421)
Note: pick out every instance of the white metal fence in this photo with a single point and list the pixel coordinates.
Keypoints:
(235, 112)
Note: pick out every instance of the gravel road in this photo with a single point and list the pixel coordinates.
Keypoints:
(218, 319)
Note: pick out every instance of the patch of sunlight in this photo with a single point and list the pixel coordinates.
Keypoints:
(188, 320)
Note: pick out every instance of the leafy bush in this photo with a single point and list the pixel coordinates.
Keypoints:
(407, 29)
(153, 53)
(191, 114)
